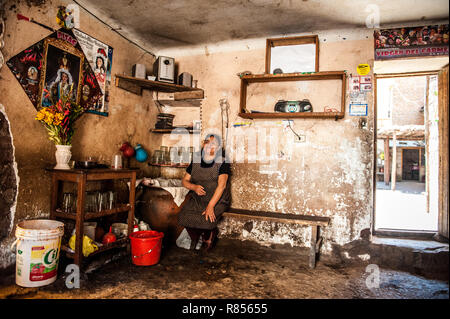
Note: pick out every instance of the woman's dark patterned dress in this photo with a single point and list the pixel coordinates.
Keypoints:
(191, 213)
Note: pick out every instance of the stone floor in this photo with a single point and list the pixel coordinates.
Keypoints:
(235, 269)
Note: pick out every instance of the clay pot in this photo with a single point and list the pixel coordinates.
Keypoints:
(157, 208)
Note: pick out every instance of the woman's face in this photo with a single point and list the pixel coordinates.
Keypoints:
(64, 78)
(211, 146)
(99, 62)
(32, 73)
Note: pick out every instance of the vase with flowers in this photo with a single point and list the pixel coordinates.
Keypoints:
(59, 118)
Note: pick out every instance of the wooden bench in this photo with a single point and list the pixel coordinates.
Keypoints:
(314, 221)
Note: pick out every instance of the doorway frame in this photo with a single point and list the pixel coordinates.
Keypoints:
(392, 232)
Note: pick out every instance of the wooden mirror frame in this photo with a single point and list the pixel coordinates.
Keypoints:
(275, 42)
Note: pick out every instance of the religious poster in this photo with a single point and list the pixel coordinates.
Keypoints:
(62, 69)
(54, 65)
(407, 42)
(26, 67)
(99, 56)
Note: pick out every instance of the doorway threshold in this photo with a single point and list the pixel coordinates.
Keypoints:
(404, 233)
(422, 257)
(416, 244)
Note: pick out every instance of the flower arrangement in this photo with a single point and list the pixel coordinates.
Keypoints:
(59, 118)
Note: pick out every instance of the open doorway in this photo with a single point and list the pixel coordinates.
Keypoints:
(407, 158)
(412, 164)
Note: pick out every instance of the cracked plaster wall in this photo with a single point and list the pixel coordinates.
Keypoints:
(330, 174)
(130, 115)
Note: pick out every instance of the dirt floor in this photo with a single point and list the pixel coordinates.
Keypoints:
(234, 269)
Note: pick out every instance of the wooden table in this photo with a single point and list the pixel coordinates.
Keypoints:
(81, 177)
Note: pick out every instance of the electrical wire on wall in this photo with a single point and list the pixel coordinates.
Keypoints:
(201, 127)
(158, 104)
(114, 30)
(225, 110)
(289, 124)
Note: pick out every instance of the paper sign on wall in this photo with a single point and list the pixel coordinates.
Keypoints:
(358, 109)
(365, 79)
(363, 69)
(354, 84)
(358, 88)
(365, 87)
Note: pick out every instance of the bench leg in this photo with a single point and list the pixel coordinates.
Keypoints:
(313, 249)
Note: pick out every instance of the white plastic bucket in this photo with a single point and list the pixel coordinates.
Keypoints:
(37, 251)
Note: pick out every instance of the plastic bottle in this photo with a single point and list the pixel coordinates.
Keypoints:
(143, 225)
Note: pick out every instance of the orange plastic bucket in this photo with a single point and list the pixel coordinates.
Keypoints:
(146, 247)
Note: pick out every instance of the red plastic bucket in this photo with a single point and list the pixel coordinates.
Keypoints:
(146, 247)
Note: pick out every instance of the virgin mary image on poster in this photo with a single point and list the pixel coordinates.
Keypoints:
(61, 75)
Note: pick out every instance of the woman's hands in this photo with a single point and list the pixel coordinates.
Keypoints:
(209, 213)
(199, 190)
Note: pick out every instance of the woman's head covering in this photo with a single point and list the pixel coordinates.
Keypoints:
(59, 77)
(215, 136)
(220, 153)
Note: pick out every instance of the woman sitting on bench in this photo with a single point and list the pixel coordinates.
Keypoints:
(207, 179)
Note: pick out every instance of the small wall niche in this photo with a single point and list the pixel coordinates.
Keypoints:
(293, 54)
(334, 108)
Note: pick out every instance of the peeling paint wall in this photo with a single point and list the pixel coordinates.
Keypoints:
(130, 115)
(330, 174)
(9, 185)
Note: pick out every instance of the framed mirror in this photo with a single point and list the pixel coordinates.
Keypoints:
(292, 55)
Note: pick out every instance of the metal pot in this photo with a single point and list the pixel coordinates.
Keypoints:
(86, 164)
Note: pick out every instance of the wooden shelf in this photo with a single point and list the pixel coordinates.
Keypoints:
(246, 80)
(329, 75)
(276, 115)
(93, 215)
(81, 177)
(173, 130)
(135, 85)
(170, 165)
(182, 103)
(122, 242)
(181, 99)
